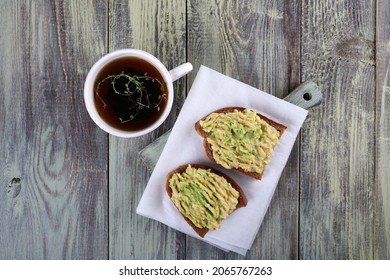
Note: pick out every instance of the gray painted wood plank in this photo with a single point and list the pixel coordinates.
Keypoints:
(256, 42)
(337, 148)
(54, 160)
(53, 199)
(158, 27)
(382, 178)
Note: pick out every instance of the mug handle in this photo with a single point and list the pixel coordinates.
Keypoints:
(180, 71)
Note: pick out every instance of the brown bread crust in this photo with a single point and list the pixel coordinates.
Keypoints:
(207, 147)
(242, 200)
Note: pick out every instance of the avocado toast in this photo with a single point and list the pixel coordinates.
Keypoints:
(239, 138)
(204, 196)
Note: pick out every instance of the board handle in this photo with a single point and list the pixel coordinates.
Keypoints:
(307, 95)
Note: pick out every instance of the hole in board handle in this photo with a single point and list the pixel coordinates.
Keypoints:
(307, 96)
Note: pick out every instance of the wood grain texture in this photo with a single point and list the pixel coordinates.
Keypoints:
(256, 42)
(158, 27)
(53, 197)
(382, 178)
(69, 191)
(337, 148)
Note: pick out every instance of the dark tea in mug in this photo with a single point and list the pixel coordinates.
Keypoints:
(130, 94)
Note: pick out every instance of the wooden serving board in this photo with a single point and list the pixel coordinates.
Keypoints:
(307, 95)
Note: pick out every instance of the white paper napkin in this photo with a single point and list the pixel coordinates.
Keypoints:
(209, 92)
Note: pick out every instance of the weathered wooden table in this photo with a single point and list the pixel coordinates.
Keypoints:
(69, 191)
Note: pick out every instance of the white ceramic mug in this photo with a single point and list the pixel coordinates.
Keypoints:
(168, 76)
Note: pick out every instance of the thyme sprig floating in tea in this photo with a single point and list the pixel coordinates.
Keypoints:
(133, 87)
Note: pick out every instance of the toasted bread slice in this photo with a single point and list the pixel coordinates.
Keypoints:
(241, 201)
(208, 147)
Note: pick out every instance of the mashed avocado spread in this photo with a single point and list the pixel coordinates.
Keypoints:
(203, 196)
(240, 139)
